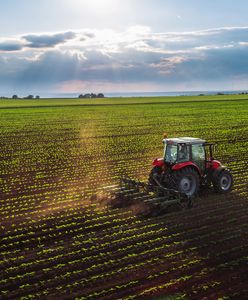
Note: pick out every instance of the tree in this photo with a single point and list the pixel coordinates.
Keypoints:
(100, 95)
(92, 95)
(14, 97)
(37, 97)
(29, 97)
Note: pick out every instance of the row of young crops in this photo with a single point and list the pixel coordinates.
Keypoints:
(60, 239)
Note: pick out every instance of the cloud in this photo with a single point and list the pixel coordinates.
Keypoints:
(10, 45)
(48, 40)
(137, 56)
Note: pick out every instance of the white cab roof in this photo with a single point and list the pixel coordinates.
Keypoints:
(187, 140)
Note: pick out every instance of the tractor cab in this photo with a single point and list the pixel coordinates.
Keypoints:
(186, 149)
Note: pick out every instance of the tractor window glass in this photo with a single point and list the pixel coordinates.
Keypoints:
(171, 153)
(183, 152)
(198, 153)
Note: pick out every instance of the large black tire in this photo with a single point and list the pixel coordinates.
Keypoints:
(186, 181)
(222, 181)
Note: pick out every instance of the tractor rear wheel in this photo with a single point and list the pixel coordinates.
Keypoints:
(186, 181)
(223, 182)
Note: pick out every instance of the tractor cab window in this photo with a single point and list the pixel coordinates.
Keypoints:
(183, 153)
(170, 153)
(198, 155)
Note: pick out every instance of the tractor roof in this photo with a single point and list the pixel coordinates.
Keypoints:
(183, 140)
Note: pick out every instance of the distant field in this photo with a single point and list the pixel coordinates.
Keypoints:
(57, 241)
(110, 101)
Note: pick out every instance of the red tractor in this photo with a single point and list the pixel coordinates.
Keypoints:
(187, 165)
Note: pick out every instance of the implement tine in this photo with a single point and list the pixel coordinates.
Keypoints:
(131, 183)
(134, 190)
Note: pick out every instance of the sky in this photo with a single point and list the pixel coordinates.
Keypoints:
(81, 46)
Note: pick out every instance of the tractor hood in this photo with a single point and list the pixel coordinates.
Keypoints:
(159, 162)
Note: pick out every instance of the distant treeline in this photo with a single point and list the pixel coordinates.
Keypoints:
(221, 93)
(16, 97)
(101, 95)
(87, 96)
(92, 95)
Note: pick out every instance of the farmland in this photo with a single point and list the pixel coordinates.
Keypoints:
(59, 240)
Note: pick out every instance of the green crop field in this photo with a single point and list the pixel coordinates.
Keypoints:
(59, 240)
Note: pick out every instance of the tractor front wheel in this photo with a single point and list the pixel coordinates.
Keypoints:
(223, 182)
(186, 181)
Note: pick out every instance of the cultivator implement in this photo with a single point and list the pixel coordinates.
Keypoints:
(155, 197)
